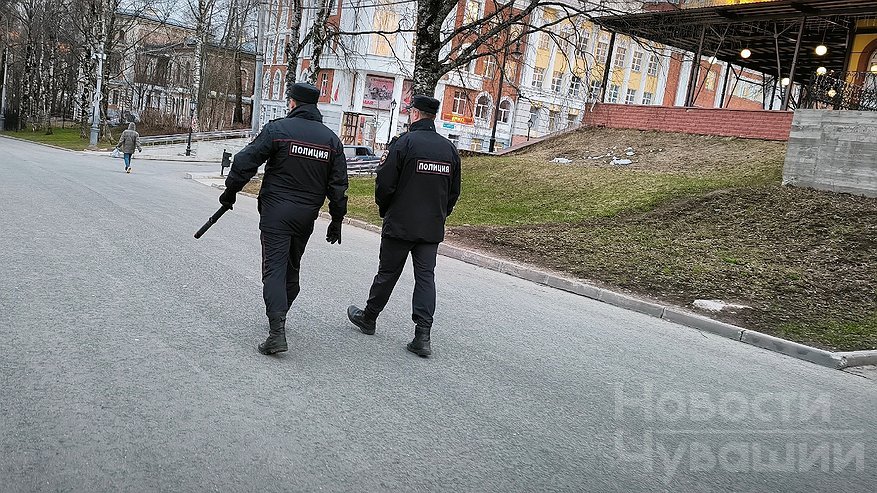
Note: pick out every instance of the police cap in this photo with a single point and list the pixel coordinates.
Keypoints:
(305, 93)
(425, 104)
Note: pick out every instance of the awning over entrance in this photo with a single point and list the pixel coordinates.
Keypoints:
(781, 36)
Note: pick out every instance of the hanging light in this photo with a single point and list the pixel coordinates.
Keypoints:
(745, 53)
(785, 81)
(821, 71)
(832, 93)
(821, 50)
(874, 68)
(712, 60)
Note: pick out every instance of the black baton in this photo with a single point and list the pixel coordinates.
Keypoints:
(215, 217)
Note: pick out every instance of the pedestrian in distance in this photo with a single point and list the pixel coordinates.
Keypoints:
(128, 141)
(416, 188)
(305, 165)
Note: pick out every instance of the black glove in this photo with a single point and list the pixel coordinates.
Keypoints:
(333, 234)
(227, 198)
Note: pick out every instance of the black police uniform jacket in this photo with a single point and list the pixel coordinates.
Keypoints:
(418, 184)
(306, 165)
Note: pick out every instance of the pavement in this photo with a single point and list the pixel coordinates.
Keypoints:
(130, 364)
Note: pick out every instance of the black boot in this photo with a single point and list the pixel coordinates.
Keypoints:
(420, 344)
(276, 341)
(359, 318)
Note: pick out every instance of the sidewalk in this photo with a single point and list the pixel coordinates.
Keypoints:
(207, 151)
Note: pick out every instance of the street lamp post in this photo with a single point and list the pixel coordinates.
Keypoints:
(95, 110)
(192, 105)
(530, 124)
(256, 100)
(392, 113)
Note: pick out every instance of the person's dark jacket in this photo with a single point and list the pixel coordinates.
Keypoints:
(306, 165)
(418, 184)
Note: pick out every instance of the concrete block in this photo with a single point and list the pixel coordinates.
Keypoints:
(587, 290)
(631, 303)
(794, 349)
(702, 323)
(857, 358)
(561, 283)
(524, 273)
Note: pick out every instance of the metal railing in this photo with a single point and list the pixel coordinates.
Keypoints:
(181, 138)
(842, 91)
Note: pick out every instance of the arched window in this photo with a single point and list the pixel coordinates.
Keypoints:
(275, 93)
(505, 110)
(482, 107)
(266, 84)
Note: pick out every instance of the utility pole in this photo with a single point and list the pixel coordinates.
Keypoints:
(256, 110)
(95, 110)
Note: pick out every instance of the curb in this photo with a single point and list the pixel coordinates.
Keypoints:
(837, 360)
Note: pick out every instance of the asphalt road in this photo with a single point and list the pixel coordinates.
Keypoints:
(128, 363)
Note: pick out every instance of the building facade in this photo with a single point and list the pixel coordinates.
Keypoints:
(551, 77)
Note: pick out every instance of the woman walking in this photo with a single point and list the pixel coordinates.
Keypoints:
(129, 140)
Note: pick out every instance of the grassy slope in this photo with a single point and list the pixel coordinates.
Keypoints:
(61, 137)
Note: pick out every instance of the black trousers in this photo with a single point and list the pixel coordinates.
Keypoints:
(281, 264)
(394, 253)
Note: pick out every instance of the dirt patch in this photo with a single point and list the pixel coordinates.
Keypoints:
(662, 152)
(804, 261)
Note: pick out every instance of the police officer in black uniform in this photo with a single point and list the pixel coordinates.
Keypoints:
(416, 188)
(306, 165)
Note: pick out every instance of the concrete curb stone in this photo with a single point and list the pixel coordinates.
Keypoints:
(794, 349)
(670, 313)
(679, 316)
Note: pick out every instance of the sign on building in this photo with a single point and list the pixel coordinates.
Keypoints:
(378, 92)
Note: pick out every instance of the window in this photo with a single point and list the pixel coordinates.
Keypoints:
(266, 84)
(489, 67)
(630, 98)
(476, 144)
(544, 41)
(613, 93)
(575, 86)
(275, 89)
(602, 50)
(482, 107)
(505, 109)
(648, 98)
(454, 138)
(570, 119)
(534, 117)
(538, 76)
(710, 82)
(384, 21)
(653, 66)
(245, 79)
(116, 97)
(473, 9)
(285, 44)
(636, 62)
(324, 85)
(552, 120)
(584, 41)
(620, 57)
(459, 107)
(556, 81)
(594, 90)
